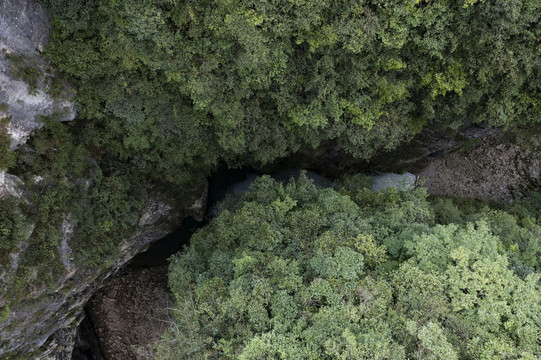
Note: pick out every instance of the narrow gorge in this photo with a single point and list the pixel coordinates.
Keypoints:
(126, 129)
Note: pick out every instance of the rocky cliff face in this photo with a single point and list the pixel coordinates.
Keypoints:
(46, 321)
(39, 322)
(24, 31)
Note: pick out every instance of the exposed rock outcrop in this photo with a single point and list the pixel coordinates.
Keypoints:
(24, 31)
(496, 170)
(390, 180)
(131, 311)
(10, 185)
(48, 318)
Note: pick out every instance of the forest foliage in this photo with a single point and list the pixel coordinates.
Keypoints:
(168, 89)
(299, 272)
(171, 87)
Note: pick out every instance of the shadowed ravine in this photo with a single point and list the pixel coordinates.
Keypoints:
(445, 175)
(135, 279)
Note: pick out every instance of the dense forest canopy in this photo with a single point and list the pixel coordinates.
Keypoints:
(168, 84)
(166, 90)
(300, 272)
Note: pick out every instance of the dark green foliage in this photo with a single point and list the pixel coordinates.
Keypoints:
(167, 89)
(65, 187)
(104, 203)
(26, 68)
(298, 272)
(6, 156)
(169, 84)
(12, 225)
(4, 313)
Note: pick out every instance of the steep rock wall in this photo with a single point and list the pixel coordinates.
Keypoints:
(39, 322)
(43, 324)
(24, 75)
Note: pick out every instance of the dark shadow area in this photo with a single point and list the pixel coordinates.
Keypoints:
(159, 251)
(87, 346)
(222, 182)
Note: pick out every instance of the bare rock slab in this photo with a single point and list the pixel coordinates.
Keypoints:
(131, 311)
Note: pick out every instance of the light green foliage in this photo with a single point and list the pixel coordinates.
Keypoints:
(433, 343)
(298, 272)
(454, 79)
(167, 89)
(516, 224)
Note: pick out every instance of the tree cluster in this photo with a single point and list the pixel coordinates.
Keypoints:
(300, 272)
(167, 84)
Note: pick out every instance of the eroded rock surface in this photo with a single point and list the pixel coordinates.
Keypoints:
(24, 25)
(10, 185)
(495, 170)
(131, 311)
(24, 31)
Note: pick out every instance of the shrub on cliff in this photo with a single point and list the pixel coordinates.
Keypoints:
(299, 272)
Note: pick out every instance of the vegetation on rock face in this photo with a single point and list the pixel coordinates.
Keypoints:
(63, 187)
(167, 89)
(299, 272)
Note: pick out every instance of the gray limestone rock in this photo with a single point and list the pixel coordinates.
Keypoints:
(47, 319)
(404, 181)
(24, 25)
(10, 185)
(24, 31)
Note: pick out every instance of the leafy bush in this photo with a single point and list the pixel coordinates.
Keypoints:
(300, 272)
(12, 225)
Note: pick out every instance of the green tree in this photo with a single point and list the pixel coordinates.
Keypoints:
(169, 84)
(299, 272)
